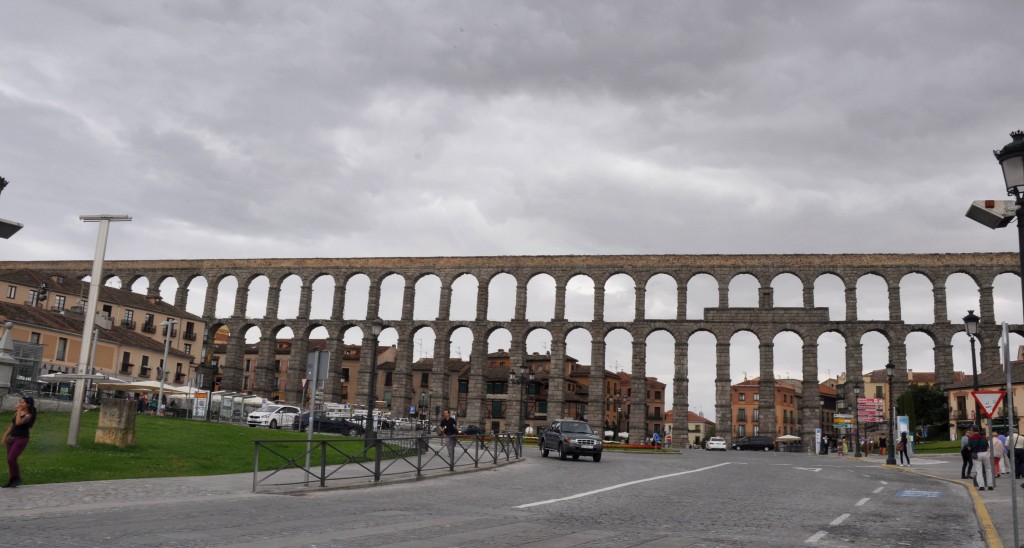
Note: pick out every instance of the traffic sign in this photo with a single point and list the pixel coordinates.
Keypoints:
(989, 400)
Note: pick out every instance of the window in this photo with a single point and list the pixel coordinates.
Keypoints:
(344, 373)
(741, 415)
(463, 386)
(32, 297)
(34, 338)
(496, 408)
(961, 403)
(757, 396)
(62, 349)
(248, 365)
(58, 302)
(741, 430)
(188, 348)
(757, 429)
(425, 380)
(657, 395)
(878, 392)
(12, 291)
(388, 380)
(107, 311)
(129, 315)
(743, 396)
(757, 414)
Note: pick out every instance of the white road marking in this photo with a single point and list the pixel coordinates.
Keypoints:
(884, 482)
(619, 486)
(877, 491)
(862, 501)
(809, 469)
(840, 519)
(815, 537)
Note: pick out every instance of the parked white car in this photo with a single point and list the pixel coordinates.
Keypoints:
(273, 416)
(715, 444)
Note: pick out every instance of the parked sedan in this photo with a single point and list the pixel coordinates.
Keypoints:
(324, 423)
(715, 444)
(472, 430)
(273, 416)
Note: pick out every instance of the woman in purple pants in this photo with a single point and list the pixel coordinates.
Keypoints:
(16, 437)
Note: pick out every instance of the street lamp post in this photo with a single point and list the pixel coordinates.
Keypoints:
(524, 376)
(971, 327)
(167, 325)
(95, 281)
(371, 398)
(856, 421)
(890, 453)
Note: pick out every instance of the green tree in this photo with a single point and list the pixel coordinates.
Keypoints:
(925, 406)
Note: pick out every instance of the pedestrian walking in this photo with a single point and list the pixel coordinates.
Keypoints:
(980, 452)
(902, 447)
(998, 449)
(16, 438)
(882, 444)
(1018, 455)
(449, 430)
(965, 454)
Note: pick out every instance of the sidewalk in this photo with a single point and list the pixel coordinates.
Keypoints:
(994, 508)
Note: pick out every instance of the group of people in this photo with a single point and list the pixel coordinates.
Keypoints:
(990, 452)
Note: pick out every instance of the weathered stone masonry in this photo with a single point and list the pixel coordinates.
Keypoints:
(765, 321)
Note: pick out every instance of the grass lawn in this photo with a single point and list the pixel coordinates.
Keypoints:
(164, 447)
(937, 448)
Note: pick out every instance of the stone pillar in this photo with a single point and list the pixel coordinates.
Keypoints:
(941, 312)
(556, 380)
(766, 390)
(988, 337)
(766, 297)
(476, 399)
(210, 303)
(986, 305)
(338, 304)
(854, 368)
(305, 300)
(598, 302)
(723, 396)
(366, 356)
(898, 355)
(943, 365)
(808, 299)
(596, 396)
(680, 396)
(234, 358)
(640, 303)
(407, 301)
(680, 301)
(333, 384)
(264, 371)
(444, 309)
(116, 423)
(723, 295)
(296, 371)
(851, 303)
(482, 295)
(373, 300)
(638, 400)
(520, 311)
(517, 358)
(810, 395)
(180, 296)
(559, 300)
(241, 301)
(895, 310)
(273, 301)
(440, 376)
(403, 394)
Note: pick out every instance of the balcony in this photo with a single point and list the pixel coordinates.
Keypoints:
(189, 336)
(174, 332)
(179, 378)
(128, 324)
(126, 368)
(148, 328)
(144, 372)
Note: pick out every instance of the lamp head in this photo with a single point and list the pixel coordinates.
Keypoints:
(376, 328)
(889, 369)
(1011, 158)
(971, 323)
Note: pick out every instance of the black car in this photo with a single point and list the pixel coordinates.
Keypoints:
(323, 423)
(754, 443)
(571, 438)
(472, 430)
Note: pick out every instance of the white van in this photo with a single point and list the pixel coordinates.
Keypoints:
(273, 416)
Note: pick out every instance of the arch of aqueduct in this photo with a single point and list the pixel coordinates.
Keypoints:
(765, 321)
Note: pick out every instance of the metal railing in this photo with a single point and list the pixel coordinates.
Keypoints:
(340, 461)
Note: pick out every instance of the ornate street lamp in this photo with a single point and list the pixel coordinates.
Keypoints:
(971, 327)
(890, 453)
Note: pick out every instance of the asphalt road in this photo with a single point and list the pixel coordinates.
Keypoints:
(694, 499)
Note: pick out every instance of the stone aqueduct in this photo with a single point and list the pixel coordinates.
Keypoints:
(765, 321)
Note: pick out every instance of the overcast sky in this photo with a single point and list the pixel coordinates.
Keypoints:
(345, 129)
